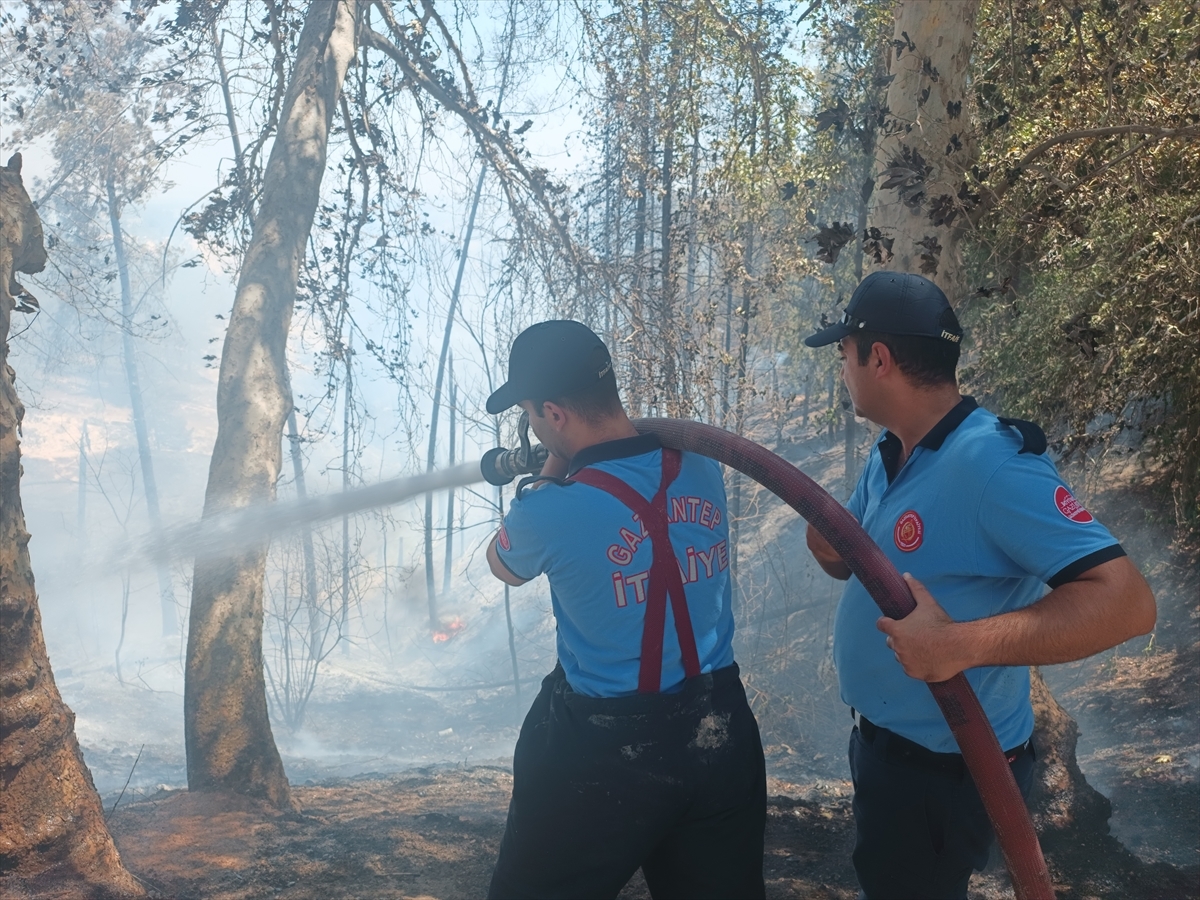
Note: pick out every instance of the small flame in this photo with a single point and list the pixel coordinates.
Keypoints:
(453, 627)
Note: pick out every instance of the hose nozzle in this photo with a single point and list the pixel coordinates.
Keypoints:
(500, 466)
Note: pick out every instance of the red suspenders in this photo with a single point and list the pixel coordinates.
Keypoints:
(665, 579)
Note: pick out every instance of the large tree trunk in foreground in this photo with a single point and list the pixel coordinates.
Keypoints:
(226, 727)
(53, 840)
(920, 201)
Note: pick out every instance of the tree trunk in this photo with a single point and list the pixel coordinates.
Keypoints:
(53, 839)
(166, 592)
(449, 561)
(512, 641)
(1065, 807)
(430, 593)
(344, 630)
(81, 512)
(920, 200)
(316, 640)
(226, 727)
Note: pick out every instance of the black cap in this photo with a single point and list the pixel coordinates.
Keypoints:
(895, 303)
(551, 359)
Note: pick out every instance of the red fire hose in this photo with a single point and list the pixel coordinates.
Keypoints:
(980, 749)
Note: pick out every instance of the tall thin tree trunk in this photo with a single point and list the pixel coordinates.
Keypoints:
(450, 493)
(124, 620)
(692, 243)
(226, 725)
(668, 317)
(387, 631)
(347, 422)
(226, 94)
(512, 643)
(166, 591)
(430, 593)
(850, 459)
(81, 512)
(726, 357)
(739, 422)
(315, 639)
(53, 839)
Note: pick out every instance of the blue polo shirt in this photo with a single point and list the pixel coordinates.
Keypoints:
(597, 560)
(985, 527)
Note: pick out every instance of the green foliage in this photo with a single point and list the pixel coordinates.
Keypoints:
(1087, 307)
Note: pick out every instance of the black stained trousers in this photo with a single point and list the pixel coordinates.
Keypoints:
(672, 783)
(919, 832)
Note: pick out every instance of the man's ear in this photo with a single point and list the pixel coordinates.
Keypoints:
(881, 359)
(555, 415)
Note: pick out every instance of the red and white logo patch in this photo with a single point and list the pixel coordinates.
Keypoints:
(502, 539)
(910, 531)
(1070, 507)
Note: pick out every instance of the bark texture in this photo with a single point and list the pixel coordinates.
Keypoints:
(227, 730)
(53, 839)
(1065, 807)
(921, 198)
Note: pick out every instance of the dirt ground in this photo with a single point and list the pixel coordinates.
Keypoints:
(428, 833)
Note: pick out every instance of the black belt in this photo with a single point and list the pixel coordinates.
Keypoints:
(902, 750)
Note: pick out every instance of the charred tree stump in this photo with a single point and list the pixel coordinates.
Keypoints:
(1065, 807)
(53, 839)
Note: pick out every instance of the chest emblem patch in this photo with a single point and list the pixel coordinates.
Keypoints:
(1070, 507)
(502, 539)
(910, 531)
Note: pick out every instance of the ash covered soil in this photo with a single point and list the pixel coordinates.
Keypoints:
(384, 815)
(426, 833)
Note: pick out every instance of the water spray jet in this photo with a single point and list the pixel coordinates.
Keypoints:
(235, 531)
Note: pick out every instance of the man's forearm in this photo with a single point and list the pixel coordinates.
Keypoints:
(1105, 607)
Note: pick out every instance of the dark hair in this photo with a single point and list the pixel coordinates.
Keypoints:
(926, 361)
(593, 404)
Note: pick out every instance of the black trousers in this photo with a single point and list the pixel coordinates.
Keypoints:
(921, 826)
(672, 783)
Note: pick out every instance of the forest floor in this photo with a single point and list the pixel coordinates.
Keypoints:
(402, 827)
(434, 831)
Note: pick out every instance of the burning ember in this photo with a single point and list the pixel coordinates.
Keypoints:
(449, 630)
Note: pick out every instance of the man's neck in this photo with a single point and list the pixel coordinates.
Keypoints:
(614, 428)
(916, 411)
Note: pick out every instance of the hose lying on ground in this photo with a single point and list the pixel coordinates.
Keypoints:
(980, 749)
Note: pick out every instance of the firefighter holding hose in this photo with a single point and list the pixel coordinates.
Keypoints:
(975, 514)
(640, 750)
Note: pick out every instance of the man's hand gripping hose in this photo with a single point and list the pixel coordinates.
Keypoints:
(976, 740)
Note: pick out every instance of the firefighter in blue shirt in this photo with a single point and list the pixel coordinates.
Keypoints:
(970, 505)
(640, 750)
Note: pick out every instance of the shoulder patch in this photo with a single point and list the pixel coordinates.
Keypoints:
(909, 532)
(1070, 507)
(1032, 437)
(502, 539)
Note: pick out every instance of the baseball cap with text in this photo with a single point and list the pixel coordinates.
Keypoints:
(894, 303)
(551, 359)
